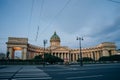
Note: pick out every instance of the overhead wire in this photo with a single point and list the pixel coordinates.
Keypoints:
(52, 20)
(30, 18)
(62, 9)
(41, 9)
(37, 34)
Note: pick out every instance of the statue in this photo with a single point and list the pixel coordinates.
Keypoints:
(8, 55)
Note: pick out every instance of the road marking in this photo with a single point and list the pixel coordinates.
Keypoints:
(31, 73)
(92, 76)
(71, 72)
(73, 68)
(36, 78)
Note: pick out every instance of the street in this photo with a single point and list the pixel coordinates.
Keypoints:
(61, 72)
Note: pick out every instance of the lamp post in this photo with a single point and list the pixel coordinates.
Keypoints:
(80, 55)
(44, 42)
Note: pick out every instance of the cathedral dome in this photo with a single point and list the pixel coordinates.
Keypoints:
(55, 38)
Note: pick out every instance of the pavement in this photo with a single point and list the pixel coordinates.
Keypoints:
(60, 72)
(23, 73)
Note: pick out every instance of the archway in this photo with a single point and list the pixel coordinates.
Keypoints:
(17, 44)
(17, 53)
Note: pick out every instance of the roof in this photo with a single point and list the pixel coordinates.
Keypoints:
(55, 37)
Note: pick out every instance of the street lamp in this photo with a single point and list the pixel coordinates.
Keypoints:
(44, 42)
(80, 55)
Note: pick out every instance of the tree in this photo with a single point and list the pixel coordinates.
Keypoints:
(48, 58)
(38, 57)
(110, 58)
(85, 59)
(51, 59)
(104, 58)
(115, 58)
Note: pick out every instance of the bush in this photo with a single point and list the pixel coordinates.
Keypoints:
(110, 58)
(51, 59)
(85, 59)
(104, 58)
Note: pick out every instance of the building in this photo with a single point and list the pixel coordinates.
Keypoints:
(29, 51)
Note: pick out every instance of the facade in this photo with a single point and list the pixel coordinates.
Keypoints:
(29, 51)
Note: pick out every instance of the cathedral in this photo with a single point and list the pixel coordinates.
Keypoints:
(29, 51)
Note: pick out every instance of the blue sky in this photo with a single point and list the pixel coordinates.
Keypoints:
(96, 20)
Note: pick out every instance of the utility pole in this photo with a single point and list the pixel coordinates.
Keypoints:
(80, 54)
(44, 42)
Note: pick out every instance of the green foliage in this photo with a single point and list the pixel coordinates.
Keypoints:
(115, 57)
(36, 60)
(110, 58)
(104, 58)
(48, 58)
(51, 59)
(85, 59)
(39, 57)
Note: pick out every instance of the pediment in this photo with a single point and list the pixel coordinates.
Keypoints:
(61, 48)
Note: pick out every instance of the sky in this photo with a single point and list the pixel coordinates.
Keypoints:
(96, 21)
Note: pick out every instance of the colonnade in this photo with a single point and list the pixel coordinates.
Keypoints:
(71, 55)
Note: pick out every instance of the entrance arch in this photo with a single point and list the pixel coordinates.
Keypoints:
(15, 44)
(18, 54)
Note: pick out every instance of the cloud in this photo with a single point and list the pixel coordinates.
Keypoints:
(98, 31)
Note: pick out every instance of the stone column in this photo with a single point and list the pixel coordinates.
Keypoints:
(64, 55)
(93, 55)
(96, 55)
(77, 56)
(89, 54)
(68, 57)
(58, 54)
(24, 52)
(55, 54)
(114, 52)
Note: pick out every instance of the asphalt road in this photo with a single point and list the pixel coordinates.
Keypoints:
(61, 72)
(87, 72)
